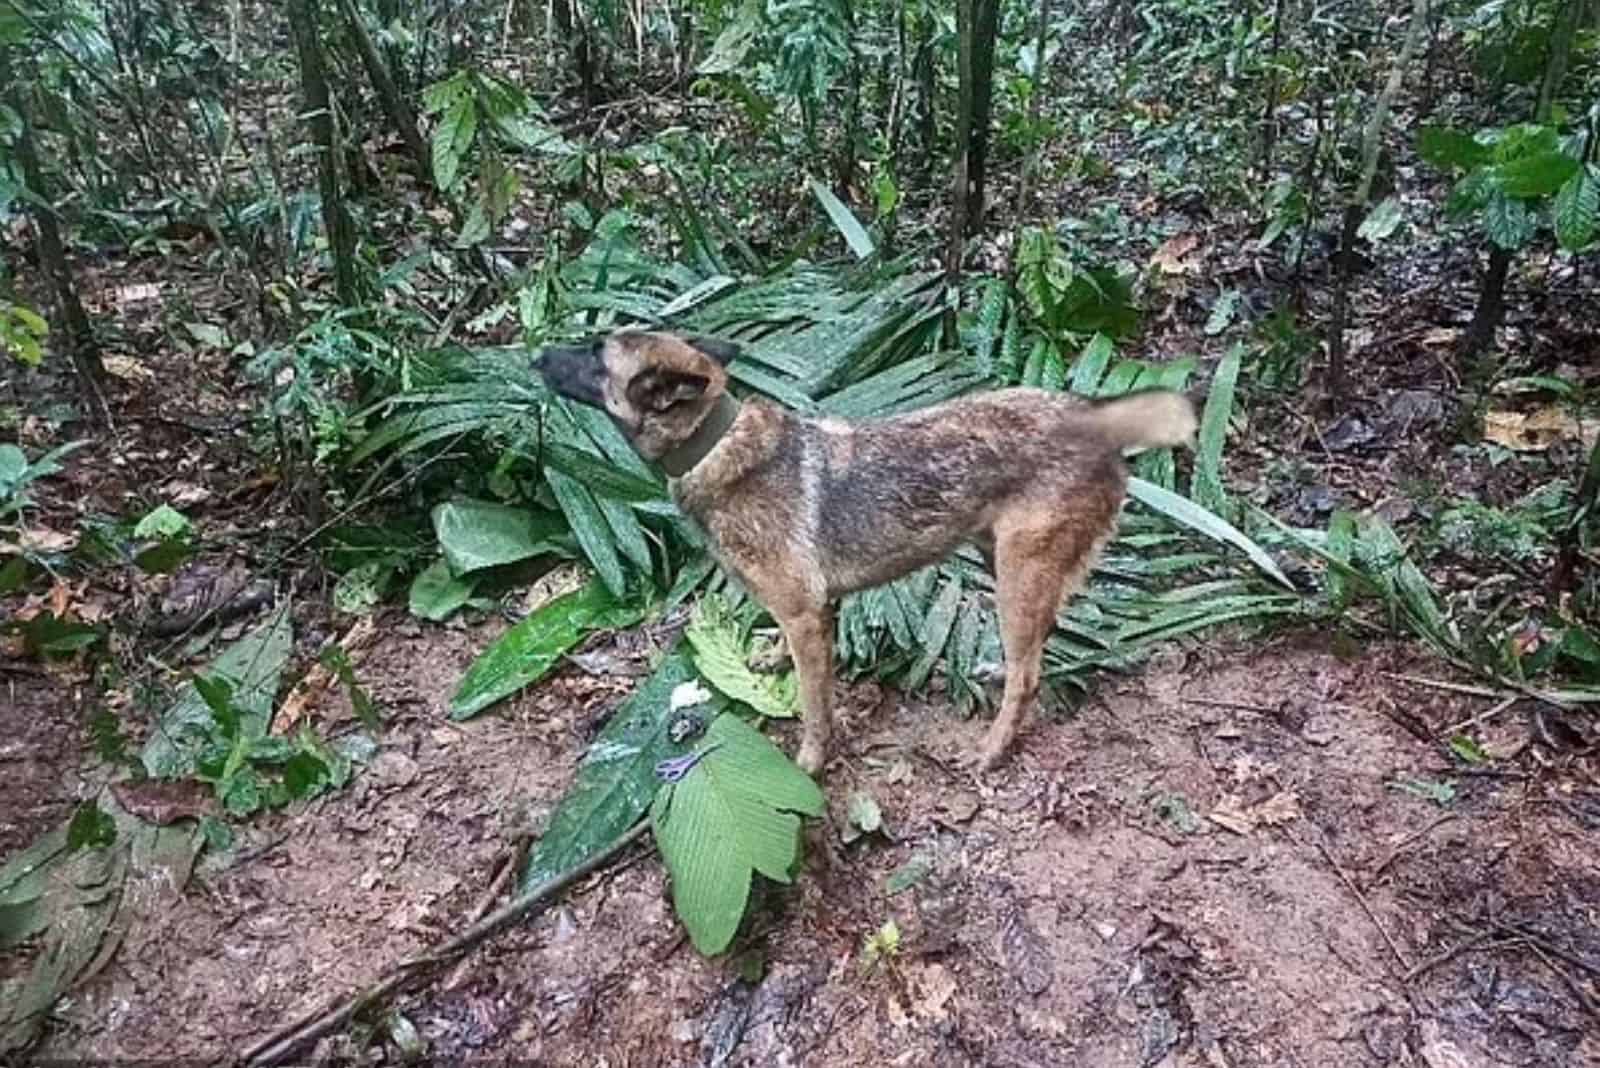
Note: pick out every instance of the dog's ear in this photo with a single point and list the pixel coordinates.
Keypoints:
(655, 389)
(724, 352)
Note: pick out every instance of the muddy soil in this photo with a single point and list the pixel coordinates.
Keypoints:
(1224, 860)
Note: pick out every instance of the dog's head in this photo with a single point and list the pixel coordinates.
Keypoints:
(656, 387)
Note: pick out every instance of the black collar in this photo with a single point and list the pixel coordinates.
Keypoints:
(681, 460)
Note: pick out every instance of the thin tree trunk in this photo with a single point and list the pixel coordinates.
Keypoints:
(1269, 125)
(389, 98)
(1030, 165)
(845, 169)
(325, 134)
(975, 28)
(1356, 209)
(1491, 308)
(51, 251)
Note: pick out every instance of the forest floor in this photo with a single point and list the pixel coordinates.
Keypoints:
(1249, 852)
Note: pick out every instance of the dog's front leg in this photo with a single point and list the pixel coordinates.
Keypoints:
(809, 634)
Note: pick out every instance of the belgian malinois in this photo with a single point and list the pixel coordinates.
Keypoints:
(805, 510)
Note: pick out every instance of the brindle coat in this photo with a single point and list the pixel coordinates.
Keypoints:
(806, 510)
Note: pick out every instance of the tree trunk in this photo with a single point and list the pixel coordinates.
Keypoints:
(975, 27)
(1491, 305)
(389, 98)
(1356, 209)
(325, 134)
(52, 255)
(1030, 165)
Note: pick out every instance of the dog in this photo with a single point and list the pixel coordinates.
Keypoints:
(805, 510)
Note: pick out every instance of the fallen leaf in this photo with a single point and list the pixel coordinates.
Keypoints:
(183, 494)
(957, 808)
(162, 803)
(45, 540)
(60, 599)
(136, 294)
(1169, 257)
(127, 368)
(1282, 807)
(1230, 817)
(1537, 430)
(1441, 335)
(932, 987)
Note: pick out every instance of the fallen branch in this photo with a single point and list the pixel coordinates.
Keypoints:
(287, 1039)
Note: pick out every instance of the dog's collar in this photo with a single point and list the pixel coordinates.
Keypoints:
(681, 460)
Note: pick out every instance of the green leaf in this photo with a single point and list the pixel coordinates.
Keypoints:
(855, 235)
(1184, 511)
(721, 658)
(1091, 364)
(863, 816)
(163, 522)
(1508, 222)
(253, 667)
(1384, 219)
(616, 780)
(1444, 147)
(1537, 175)
(1208, 491)
(908, 874)
(478, 534)
(601, 476)
(736, 811)
(936, 627)
(1577, 209)
(1470, 194)
(595, 536)
(437, 594)
(452, 138)
(528, 650)
(1222, 312)
(90, 828)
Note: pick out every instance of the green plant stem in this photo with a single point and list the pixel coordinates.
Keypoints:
(279, 1045)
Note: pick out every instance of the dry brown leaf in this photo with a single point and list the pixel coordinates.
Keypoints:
(1230, 817)
(45, 540)
(932, 987)
(1441, 335)
(310, 687)
(136, 294)
(1169, 258)
(184, 494)
(60, 599)
(1282, 807)
(1537, 430)
(127, 368)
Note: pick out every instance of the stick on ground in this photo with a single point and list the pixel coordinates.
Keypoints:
(287, 1039)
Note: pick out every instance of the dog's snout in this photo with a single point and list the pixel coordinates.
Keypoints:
(574, 371)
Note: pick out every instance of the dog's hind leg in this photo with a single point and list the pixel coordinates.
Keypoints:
(1037, 565)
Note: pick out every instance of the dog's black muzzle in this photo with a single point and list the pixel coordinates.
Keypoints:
(575, 371)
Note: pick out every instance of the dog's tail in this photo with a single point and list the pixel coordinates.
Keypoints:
(1146, 420)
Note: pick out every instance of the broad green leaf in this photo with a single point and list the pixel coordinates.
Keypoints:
(1508, 222)
(735, 812)
(1538, 175)
(604, 478)
(477, 534)
(252, 666)
(728, 51)
(936, 629)
(1577, 209)
(164, 521)
(1184, 511)
(616, 780)
(721, 658)
(436, 593)
(523, 654)
(1384, 219)
(855, 235)
(1444, 147)
(1470, 194)
(452, 139)
(1208, 491)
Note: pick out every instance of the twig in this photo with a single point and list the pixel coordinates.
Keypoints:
(1540, 951)
(1410, 838)
(1469, 945)
(1233, 706)
(1361, 899)
(1499, 707)
(312, 1026)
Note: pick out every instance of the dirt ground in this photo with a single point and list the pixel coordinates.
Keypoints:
(1211, 863)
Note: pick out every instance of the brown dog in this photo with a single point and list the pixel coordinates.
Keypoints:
(805, 510)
